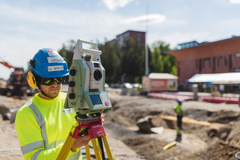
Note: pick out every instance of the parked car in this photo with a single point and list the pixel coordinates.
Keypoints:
(106, 85)
(126, 85)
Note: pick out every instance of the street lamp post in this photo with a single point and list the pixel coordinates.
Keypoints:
(146, 47)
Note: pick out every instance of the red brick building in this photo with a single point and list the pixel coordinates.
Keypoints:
(130, 33)
(215, 57)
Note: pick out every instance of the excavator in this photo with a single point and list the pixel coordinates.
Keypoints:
(17, 83)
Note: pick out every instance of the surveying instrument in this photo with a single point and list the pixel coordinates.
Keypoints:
(87, 96)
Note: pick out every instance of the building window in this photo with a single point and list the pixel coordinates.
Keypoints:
(219, 59)
(231, 62)
(214, 63)
(196, 63)
(121, 39)
(226, 59)
(200, 65)
(205, 60)
(178, 69)
(237, 55)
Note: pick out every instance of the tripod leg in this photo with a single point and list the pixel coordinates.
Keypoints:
(69, 142)
(106, 144)
(94, 143)
(87, 152)
(101, 147)
(66, 148)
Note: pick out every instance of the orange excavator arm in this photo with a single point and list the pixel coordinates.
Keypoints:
(6, 64)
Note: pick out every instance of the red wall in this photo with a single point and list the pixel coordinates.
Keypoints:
(158, 85)
(188, 67)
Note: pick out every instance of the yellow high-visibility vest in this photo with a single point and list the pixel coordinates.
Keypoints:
(42, 126)
(179, 110)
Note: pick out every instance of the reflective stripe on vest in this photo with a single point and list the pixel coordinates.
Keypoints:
(35, 155)
(40, 121)
(44, 143)
(32, 146)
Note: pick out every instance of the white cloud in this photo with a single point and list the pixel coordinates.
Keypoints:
(56, 21)
(234, 1)
(25, 31)
(113, 4)
(152, 18)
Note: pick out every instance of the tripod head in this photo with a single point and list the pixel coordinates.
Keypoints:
(86, 91)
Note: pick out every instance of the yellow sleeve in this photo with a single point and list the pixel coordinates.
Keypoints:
(30, 138)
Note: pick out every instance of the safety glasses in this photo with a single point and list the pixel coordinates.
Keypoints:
(50, 81)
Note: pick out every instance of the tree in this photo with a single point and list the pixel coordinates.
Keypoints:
(132, 60)
(67, 51)
(156, 64)
(161, 62)
(111, 60)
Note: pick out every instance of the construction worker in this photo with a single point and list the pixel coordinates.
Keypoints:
(179, 111)
(42, 125)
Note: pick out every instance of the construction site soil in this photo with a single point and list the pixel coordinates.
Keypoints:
(129, 141)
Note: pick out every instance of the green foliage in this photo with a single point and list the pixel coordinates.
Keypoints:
(123, 63)
(156, 64)
(161, 62)
(111, 60)
(174, 70)
(67, 51)
(132, 60)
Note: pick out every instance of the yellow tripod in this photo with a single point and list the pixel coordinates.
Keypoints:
(97, 134)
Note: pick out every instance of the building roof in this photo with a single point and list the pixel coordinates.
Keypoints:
(162, 76)
(204, 43)
(216, 78)
(130, 31)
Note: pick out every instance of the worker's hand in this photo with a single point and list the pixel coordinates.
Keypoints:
(102, 117)
(80, 141)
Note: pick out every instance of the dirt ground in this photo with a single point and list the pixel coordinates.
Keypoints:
(220, 141)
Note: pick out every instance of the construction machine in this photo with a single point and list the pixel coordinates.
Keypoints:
(17, 84)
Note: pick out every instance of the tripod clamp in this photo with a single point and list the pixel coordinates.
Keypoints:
(94, 128)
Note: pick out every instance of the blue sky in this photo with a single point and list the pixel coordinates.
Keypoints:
(29, 25)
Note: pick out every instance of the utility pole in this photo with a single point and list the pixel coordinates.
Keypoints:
(146, 47)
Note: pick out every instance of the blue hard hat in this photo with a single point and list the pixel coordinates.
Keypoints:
(48, 64)
(179, 100)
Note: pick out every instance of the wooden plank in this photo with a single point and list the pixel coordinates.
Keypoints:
(169, 145)
(187, 120)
